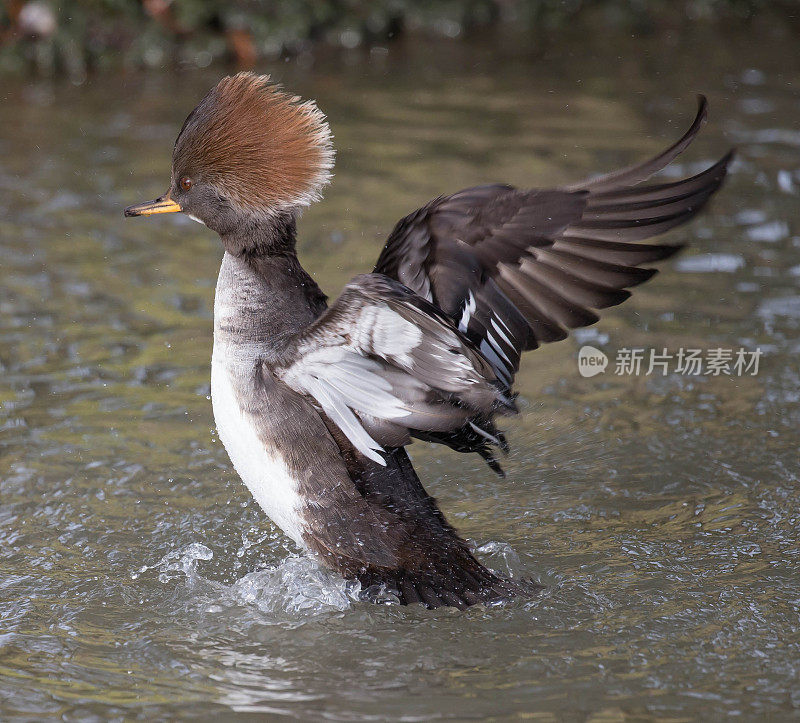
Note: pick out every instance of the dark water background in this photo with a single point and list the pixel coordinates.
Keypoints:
(138, 580)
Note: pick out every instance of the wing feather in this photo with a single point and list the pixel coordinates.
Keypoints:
(539, 262)
(382, 363)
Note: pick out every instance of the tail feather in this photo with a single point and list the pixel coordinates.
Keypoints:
(450, 586)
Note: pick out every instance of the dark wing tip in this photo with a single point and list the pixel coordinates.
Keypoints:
(728, 158)
(669, 250)
(638, 172)
(648, 273)
(702, 109)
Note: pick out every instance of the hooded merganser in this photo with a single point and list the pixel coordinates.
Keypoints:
(315, 404)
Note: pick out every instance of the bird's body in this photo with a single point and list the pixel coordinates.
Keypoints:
(316, 404)
(305, 474)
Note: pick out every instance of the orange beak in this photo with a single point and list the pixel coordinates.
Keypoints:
(163, 204)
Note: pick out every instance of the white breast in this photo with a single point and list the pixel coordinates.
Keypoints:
(263, 470)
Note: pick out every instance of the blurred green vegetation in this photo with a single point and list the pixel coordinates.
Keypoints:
(75, 36)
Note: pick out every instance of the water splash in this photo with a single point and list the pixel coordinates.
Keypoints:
(251, 538)
(296, 586)
(178, 562)
(500, 556)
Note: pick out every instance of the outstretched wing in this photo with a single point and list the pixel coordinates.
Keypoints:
(382, 364)
(515, 269)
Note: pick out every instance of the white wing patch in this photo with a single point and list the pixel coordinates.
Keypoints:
(497, 328)
(397, 335)
(496, 346)
(469, 310)
(386, 330)
(343, 382)
(339, 411)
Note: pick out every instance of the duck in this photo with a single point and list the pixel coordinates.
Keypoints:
(317, 403)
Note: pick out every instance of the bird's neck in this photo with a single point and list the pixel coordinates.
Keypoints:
(263, 294)
(253, 236)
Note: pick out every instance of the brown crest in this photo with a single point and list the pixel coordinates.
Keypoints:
(262, 148)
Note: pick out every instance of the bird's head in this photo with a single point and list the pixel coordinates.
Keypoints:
(247, 153)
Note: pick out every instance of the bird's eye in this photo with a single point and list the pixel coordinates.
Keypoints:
(186, 183)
